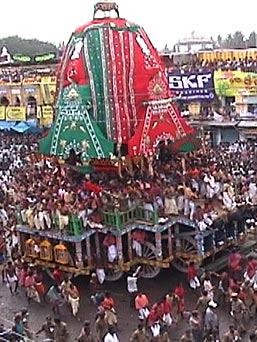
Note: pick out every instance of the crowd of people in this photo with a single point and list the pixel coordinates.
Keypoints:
(247, 64)
(198, 186)
(16, 74)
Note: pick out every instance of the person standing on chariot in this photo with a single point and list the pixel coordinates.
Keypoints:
(228, 197)
(138, 239)
(109, 243)
(170, 204)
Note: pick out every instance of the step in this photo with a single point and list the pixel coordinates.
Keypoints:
(220, 263)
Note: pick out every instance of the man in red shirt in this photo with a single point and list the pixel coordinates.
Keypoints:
(192, 276)
(57, 275)
(234, 264)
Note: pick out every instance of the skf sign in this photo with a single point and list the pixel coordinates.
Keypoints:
(192, 86)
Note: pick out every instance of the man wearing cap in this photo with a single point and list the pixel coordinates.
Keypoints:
(85, 334)
(139, 334)
(60, 332)
(232, 335)
(111, 336)
(48, 328)
(211, 322)
(237, 312)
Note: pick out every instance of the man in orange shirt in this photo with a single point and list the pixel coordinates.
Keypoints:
(141, 304)
(110, 313)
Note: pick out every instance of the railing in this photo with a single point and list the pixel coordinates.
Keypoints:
(119, 219)
(74, 224)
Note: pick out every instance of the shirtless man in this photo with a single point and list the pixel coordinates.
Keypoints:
(11, 277)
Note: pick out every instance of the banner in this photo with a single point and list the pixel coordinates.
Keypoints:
(46, 57)
(4, 91)
(2, 112)
(31, 80)
(22, 58)
(48, 80)
(15, 113)
(193, 86)
(235, 83)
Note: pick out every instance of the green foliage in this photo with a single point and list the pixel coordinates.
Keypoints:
(237, 40)
(30, 47)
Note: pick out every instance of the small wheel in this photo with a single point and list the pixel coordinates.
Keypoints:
(112, 274)
(149, 253)
(186, 251)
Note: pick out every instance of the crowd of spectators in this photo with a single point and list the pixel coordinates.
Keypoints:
(17, 74)
(195, 64)
(197, 186)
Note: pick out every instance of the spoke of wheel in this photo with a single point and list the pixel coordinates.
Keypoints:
(148, 252)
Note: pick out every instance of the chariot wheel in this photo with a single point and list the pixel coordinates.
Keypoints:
(186, 251)
(149, 254)
(112, 274)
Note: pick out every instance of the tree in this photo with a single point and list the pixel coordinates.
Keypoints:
(30, 47)
(238, 40)
(252, 40)
(219, 41)
(228, 42)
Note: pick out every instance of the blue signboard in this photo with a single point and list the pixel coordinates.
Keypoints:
(192, 86)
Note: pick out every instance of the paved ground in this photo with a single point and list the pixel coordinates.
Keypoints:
(155, 288)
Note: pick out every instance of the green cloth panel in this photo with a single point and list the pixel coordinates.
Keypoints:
(94, 48)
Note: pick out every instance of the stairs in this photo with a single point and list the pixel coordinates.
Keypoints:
(220, 263)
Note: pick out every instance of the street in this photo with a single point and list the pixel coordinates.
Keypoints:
(127, 317)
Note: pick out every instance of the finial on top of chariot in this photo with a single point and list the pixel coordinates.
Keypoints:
(106, 6)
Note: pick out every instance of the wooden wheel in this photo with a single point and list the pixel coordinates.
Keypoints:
(113, 274)
(186, 251)
(149, 254)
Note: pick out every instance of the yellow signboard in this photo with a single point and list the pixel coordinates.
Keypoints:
(48, 92)
(47, 111)
(235, 83)
(46, 121)
(46, 115)
(48, 79)
(15, 113)
(2, 112)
